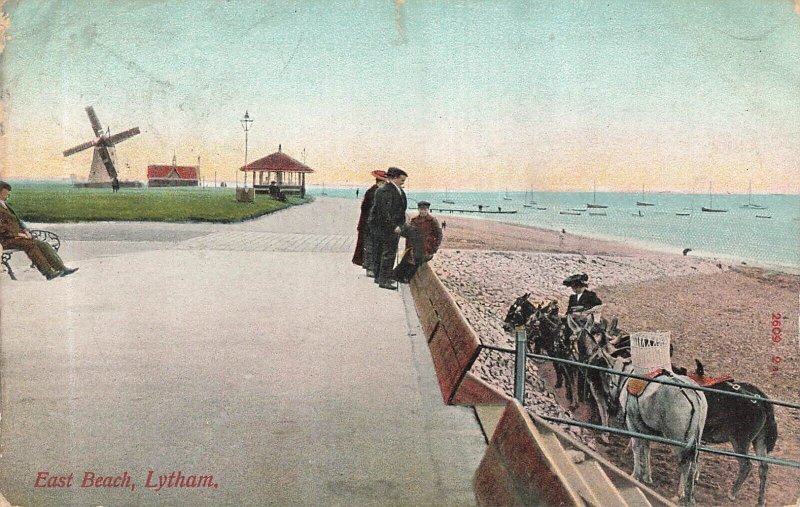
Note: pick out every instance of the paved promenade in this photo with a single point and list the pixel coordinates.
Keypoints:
(253, 352)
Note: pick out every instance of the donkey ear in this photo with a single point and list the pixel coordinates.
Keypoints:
(699, 370)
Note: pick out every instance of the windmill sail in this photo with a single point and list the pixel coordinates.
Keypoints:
(118, 138)
(78, 148)
(96, 126)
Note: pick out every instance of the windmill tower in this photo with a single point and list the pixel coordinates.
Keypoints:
(103, 169)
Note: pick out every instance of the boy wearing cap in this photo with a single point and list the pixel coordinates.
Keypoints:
(363, 255)
(430, 234)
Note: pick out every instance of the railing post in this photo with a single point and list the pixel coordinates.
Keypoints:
(519, 364)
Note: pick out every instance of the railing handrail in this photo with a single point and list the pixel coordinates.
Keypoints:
(669, 441)
(642, 377)
(519, 394)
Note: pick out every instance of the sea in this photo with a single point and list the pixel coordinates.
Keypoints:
(768, 237)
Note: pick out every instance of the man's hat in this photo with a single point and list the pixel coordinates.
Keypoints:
(576, 280)
(423, 204)
(379, 174)
(394, 172)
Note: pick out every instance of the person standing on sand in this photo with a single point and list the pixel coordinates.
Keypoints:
(364, 244)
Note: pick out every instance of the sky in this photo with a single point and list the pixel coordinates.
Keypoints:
(554, 95)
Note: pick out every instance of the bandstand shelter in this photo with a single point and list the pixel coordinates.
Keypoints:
(288, 173)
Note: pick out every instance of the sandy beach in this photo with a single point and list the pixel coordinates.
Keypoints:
(717, 311)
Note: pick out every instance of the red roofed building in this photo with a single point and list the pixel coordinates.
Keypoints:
(289, 174)
(173, 175)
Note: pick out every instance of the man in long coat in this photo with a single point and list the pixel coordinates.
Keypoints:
(387, 221)
(14, 234)
(364, 245)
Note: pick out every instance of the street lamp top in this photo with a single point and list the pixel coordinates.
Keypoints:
(246, 121)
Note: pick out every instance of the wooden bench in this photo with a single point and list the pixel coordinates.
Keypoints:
(42, 235)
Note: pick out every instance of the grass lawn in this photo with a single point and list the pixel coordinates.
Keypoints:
(54, 203)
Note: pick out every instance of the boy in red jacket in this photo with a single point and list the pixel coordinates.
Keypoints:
(430, 232)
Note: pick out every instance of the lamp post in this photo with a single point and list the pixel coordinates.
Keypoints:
(246, 121)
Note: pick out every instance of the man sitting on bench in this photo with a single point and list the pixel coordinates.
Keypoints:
(14, 234)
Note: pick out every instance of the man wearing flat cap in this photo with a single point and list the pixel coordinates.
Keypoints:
(429, 233)
(364, 245)
(582, 299)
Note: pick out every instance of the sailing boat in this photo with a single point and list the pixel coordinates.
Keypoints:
(642, 202)
(507, 197)
(750, 204)
(711, 208)
(594, 200)
(447, 199)
(529, 202)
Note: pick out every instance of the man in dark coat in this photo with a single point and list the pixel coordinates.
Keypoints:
(363, 254)
(387, 221)
(14, 234)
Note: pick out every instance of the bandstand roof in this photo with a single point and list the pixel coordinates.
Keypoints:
(277, 162)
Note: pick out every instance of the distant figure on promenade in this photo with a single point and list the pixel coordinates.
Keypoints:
(364, 245)
(430, 233)
(444, 225)
(115, 185)
(14, 234)
(582, 299)
(357, 192)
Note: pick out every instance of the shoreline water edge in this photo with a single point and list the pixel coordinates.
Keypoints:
(768, 238)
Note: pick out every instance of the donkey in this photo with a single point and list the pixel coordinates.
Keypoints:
(672, 412)
(591, 346)
(741, 422)
(667, 411)
(544, 331)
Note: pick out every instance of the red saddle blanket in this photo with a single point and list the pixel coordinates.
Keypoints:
(636, 385)
(709, 381)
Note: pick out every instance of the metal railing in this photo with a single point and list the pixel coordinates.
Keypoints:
(520, 362)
